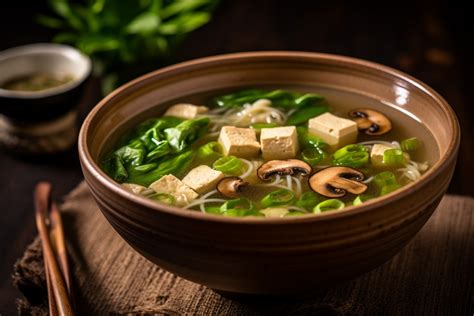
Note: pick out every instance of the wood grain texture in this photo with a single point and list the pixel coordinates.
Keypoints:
(431, 276)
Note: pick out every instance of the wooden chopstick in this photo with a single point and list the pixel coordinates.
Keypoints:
(59, 290)
(59, 244)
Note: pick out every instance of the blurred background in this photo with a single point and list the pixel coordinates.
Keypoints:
(430, 40)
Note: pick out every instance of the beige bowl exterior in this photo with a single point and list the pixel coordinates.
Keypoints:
(268, 256)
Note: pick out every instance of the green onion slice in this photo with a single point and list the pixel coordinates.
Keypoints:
(163, 198)
(308, 200)
(361, 199)
(349, 149)
(328, 205)
(278, 197)
(411, 144)
(384, 178)
(237, 207)
(389, 188)
(313, 156)
(228, 164)
(393, 157)
(210, 152)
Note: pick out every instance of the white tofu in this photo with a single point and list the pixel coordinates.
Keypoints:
(134, 188)
(186, 111)
(274, 212)
(335, 131)
(376, 154)
(173, 186)
(240, 142)
(279, 142)
(202, 179)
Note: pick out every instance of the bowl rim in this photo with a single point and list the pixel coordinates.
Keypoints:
(351, 62)
(52, 49)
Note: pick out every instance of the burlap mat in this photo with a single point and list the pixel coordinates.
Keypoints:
(433, 275)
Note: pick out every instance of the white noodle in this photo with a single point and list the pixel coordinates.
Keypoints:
(201, 201)
(296, 208)
(250, 168)
(289, 183)
(298, 186)
(373, 142)
(368, 180)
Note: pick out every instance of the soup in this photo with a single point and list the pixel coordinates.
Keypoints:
(271, 153)
(36, 82)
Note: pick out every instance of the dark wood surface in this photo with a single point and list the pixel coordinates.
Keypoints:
(428, 39)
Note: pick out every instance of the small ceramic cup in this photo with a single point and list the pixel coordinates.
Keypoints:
(41, 121)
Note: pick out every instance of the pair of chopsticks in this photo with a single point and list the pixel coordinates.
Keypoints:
(50, 228)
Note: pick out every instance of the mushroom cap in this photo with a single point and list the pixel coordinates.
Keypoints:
(231, 186)
(335, 182)
(283, 167)
(371, 121)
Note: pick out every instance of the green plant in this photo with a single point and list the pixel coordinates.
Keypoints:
(116, 34)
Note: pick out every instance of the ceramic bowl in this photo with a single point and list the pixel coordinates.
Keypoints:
(269, 256)
(48, 104)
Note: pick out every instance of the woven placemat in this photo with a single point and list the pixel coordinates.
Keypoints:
(433, 275)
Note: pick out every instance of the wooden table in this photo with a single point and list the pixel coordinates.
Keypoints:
(429, 40)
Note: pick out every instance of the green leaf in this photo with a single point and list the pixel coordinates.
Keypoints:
(185, 23)
(179, 6)
(145, 23)
(97, 43)
(304, 114)
(66, 37)
(63, 9)
(185, 133)
(50, 21)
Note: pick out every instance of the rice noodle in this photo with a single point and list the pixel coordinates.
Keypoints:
(373, 142)
(298, 186)
(368, 180)
(296, 208)
(250, 168)
(203, 201)
(289, 183)
(413, 170)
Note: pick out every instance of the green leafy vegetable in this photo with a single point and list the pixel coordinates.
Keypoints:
(279, 98)
(278, 197)
(303, 114)
(175, 165)
(185, 133)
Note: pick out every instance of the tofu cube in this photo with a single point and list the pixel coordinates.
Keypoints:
(173, 186)
(186, 111)
(240, 142)
(202, 179)
(134, 188)
(279, 142)
(335, 131)
(376, 154)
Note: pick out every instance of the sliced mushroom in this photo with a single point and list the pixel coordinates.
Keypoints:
(335, 182)
(231, 186)
(371, 121)
(283, 167)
